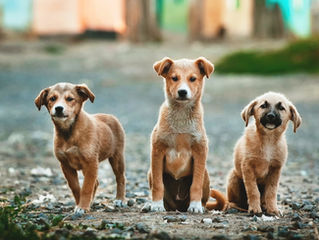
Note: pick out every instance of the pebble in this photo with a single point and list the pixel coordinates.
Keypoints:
(179, 218)
(142, 228)
(161, 235)
(130, 203)
(251, 237)
(232, 211)
(296, 217)
(140, 200)
(220, 237)
(265, 228)
(207, 221)
(308, 208)
(296, 206)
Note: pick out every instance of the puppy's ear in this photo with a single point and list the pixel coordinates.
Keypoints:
(41, 98)
(295, 116)
(84, 92)
(205, 67)
(162, 67)
(248, 111)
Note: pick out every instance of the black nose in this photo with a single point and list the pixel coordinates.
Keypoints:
(182, 93)
(271, 116)
(58, 109)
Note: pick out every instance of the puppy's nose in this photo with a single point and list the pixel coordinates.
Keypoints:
(182, 93)
(59, 109)
(271, 116)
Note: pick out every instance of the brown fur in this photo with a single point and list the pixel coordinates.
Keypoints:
(82, 140)
(260, 154)
(179, 144)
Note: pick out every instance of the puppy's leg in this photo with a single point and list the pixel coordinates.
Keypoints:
(206, 189)
(95, 188)
(252, 191)
(236, 193)
(89, 184)
(118, 165)
(157, 161)
(199, 152)
(71, 176)
(269, 198)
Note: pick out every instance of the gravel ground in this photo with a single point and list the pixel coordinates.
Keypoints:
(125, 85)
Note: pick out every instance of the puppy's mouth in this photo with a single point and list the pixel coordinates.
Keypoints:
(182, 99)
(59, 116)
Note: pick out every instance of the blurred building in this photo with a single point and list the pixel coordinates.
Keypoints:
(140, 20)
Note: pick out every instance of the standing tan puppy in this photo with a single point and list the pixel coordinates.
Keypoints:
(178, 176)
(260, 153)
(82, 140)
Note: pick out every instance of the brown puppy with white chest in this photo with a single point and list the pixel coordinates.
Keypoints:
(178, 176)
(82, 140)
(260, 154)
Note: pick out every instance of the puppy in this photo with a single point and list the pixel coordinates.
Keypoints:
(260, 154)
(82, 140)
(178, 177)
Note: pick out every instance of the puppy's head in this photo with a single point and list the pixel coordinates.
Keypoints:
(183, 78)
(272, 111)
(64, 101)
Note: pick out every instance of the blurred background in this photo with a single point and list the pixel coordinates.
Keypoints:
(256, 46)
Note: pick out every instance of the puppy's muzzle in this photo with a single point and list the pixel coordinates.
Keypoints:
(182, 94)
(59, 112)
(271, 120)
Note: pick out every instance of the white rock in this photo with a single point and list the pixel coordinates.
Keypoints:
(207, 220)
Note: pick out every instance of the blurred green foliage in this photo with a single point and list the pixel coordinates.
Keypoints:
(298, 56)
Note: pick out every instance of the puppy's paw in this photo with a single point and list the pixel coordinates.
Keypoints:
(272, 211)
(255, 210)
(157, 206)
(195, 207)
(119, 203)
(79, 211)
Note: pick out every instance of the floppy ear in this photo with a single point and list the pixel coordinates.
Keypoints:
(162, 67)
(295, 116)
(248, 111)
(41, 98)
(84, 92)
(205, 67)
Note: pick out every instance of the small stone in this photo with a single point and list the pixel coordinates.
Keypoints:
(178, 218)
(299, 225)
(296, 217)
(308, 208)
(251, 237)
(207, 221)
(161, 235)
(255, 218)
(109, 209)
(217, 220)
(140, 200)
(296, 206)
(146, 208)
(265, 228)
(314, 214)
(283, 231)
(220, 237)
(270, 235)
(232, 211)
(130, 203)
(142, 228)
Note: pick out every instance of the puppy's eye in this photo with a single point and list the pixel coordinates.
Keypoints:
(281, 108)
(52, 99)
(265, 105)
(69, 99)
(192, 79)
(175, 79)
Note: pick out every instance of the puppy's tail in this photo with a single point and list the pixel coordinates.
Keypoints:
(221, 202)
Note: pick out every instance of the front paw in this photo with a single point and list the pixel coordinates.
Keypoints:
(272, 210)
(195, 207)
(79, 211)
(157, 206)
(119, 203)
(255, 209)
